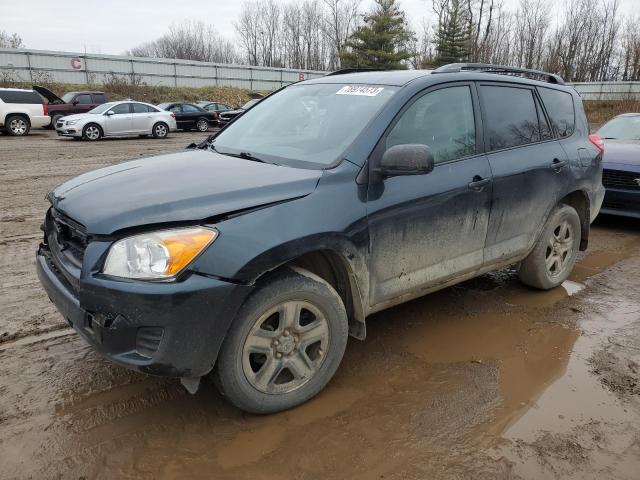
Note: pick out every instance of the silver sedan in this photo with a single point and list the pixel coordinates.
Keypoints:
(118, 119)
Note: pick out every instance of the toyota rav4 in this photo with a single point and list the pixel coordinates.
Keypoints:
(256, 254)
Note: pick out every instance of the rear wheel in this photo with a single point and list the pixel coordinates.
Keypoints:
(285, 344)
(92, 132)
(555, 254)
(202, 125)
(160, 130)
(54, 120)
(17, 125)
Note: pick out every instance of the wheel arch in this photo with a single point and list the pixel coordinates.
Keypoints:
(579, 200)
(334, 268)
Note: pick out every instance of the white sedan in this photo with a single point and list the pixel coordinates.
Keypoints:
(118, 119)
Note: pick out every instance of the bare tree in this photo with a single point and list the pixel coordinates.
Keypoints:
(340, 22)
(12, 40)
(189, 41)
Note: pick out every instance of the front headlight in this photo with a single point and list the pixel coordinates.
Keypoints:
(72, 122)
(157, 255)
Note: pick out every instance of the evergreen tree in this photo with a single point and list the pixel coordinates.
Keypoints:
(453, 36)
(382, 41)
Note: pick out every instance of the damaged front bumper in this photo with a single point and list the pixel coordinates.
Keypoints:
(170, 329)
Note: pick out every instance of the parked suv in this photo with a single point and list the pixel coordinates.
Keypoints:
(255, 255)
(20, 110)
(70, 103)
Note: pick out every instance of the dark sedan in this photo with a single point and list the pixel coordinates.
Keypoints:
(621, 174)
(189, 116)
(226, 117)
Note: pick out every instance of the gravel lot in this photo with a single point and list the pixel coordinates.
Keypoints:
(487, 379)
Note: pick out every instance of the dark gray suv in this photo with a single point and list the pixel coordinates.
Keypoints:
(255, 255)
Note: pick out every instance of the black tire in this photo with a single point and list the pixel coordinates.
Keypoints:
(17, 125)
(202, 125)
(235, 366)
(160, 130)
(55, 119)
(92, 132)
(554, 256)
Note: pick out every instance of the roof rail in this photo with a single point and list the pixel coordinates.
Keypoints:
(344, 71)
(500, 69)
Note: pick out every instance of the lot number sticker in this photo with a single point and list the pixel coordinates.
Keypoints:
(359, 90)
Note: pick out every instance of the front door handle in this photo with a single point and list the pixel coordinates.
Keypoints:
(478, 183)
(558, 165)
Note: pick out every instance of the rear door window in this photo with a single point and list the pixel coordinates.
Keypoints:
(561, 110)
(510, 116)
(443, 120)
(140, 108)
(16, 96)
(189, 108)
(99, 98)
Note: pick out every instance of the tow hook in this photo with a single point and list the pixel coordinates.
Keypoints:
(191, 384)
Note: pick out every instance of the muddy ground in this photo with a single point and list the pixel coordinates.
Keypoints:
(487, 379)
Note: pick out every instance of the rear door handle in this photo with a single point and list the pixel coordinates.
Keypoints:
(558, 165)
(478, 183)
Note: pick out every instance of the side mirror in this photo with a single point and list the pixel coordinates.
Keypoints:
(109, 113)
(410, 159)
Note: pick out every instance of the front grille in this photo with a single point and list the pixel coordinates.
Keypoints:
(69, 236)
(621, 179)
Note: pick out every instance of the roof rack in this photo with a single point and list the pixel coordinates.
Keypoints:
(500, 69)
(344, 71)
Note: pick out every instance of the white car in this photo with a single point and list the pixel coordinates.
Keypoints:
(21, 110)
(118, 119)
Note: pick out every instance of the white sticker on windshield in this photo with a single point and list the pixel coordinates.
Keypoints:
(359, 90)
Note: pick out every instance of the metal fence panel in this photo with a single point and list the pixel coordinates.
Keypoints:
(70, 67)
(608, 90)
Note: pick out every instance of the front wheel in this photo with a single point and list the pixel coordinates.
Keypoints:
(555, 254)
(92, 132)
(285, 344)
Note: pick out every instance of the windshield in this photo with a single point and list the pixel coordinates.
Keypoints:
(621, 128)
(67, 97)
(102, 108)
(310, 123)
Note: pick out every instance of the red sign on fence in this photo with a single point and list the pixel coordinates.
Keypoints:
(301, 76)
(76, 63)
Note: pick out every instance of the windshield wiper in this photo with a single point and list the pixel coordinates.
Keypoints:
(243, 155)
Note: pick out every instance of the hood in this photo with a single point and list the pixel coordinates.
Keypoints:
(621, 152)
(80, 116)
(48, 94)
(186, 186)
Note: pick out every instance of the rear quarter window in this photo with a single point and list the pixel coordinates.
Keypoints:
(561, 110)
(11, 96)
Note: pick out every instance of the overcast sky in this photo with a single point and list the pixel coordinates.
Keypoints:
(113, 26)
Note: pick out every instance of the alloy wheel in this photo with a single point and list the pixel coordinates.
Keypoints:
(161, 131)
(286, 347)
(92, 132)
(202, 125)
(18, 126)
